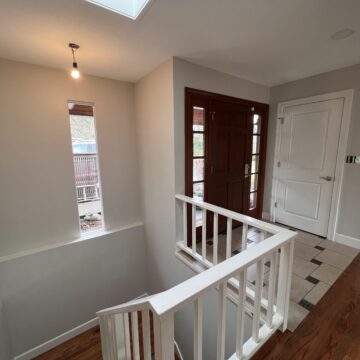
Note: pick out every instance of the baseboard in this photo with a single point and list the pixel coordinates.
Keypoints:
(50, 344)
(58, 340)
(347, 240)
(266, 216)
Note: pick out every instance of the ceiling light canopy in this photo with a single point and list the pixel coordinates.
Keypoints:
(129, 8)
(342, 34)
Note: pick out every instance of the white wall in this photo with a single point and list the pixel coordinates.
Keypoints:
(159, 102)
(38, 202)
(50, 292)
(347, 78)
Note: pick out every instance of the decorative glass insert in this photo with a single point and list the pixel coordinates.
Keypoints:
(255, 164)
(198, 169)
(253, 197)
(256, 124)
(256, 144)
(198, 144)
(198, 119)
(254, 182)
(198, 191)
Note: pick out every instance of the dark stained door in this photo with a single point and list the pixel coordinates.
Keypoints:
(229, 155)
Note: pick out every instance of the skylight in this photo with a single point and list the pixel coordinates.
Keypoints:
(129, 8)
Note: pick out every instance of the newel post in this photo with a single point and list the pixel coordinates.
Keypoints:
(164, 337)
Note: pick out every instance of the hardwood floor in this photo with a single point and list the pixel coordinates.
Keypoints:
(330, 332)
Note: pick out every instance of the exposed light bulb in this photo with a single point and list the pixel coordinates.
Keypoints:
(75, 73)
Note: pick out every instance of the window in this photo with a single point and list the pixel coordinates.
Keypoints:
(85, 156)
(198, 138)
(129, 8)
(255, 159)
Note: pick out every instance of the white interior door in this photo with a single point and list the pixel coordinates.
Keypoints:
(309, 140)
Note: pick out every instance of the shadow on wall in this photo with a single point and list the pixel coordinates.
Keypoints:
(5, 346)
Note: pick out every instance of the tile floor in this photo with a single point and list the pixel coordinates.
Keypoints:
(317, 264)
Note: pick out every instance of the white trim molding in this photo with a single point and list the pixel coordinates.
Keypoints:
(347, 240)
(347, 95)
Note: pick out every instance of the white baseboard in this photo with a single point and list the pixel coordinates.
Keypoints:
(266, 216)
(58, 340)
(48, 345)
(347, 240)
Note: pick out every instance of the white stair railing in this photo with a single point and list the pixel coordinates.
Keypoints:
(120, 335)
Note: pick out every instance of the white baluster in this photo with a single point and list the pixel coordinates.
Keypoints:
(114, 348)
(198, 332)
(127, 335)
(135, 335)
(271, 291)
(185, 223)
(203, 237)
(241, 314)
(262, 235)
(284, 283)
(228, 238)
(193, 227)
(104, 332)
(164, 337)
(257, 300)
(215, 239)
(244, 237)
(146, 334)
(221, 322)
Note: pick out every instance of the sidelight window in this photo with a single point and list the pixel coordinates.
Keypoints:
(255, 161)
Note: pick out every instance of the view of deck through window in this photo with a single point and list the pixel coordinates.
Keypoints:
(87, 177)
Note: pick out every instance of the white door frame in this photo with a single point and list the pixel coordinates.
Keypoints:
(347, 95)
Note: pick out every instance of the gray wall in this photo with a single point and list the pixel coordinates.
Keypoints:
(48, 293)
(347, 78)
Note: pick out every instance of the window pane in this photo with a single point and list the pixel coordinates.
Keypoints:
(198, 217)
(256, 124)
(87, 177)
(198, 191)
(255, 164)
(198, 169)
(198, 119)
(256, 144)
(253, 197)
(254, 182)
(198, 144)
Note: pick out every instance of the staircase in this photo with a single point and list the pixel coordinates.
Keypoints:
(119, 325)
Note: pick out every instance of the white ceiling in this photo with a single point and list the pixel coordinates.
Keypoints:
(266, 41)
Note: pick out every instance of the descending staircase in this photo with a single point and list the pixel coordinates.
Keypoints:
(120, 334)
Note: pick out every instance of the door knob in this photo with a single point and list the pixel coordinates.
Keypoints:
(327, 178)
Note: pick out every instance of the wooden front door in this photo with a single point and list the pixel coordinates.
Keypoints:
(228, 157)
(225, 146)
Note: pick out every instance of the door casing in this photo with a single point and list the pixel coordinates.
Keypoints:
(347, 95)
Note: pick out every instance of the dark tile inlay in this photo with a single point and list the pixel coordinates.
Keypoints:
(267, 264)
(249, 241)
(306, 304)
(210, 242)
(312, 280)
(235, 252)
(254, 282)
(319, 248)
(315, 261)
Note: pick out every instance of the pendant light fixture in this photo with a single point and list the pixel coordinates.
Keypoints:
(75, 70)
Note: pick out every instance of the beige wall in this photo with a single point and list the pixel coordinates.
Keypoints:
(347, 78)
(38, 202)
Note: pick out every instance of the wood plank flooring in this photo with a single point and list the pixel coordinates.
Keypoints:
(330, 332)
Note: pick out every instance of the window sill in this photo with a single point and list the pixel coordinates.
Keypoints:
(90, 236)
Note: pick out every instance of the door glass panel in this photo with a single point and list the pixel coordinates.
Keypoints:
(256, 124)
(256, 144)
(198, 118)
(198, 217)
(254, 182)
(198, 191)
(255, 164)
(198, 144)
(253, 197)
(198, 169)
